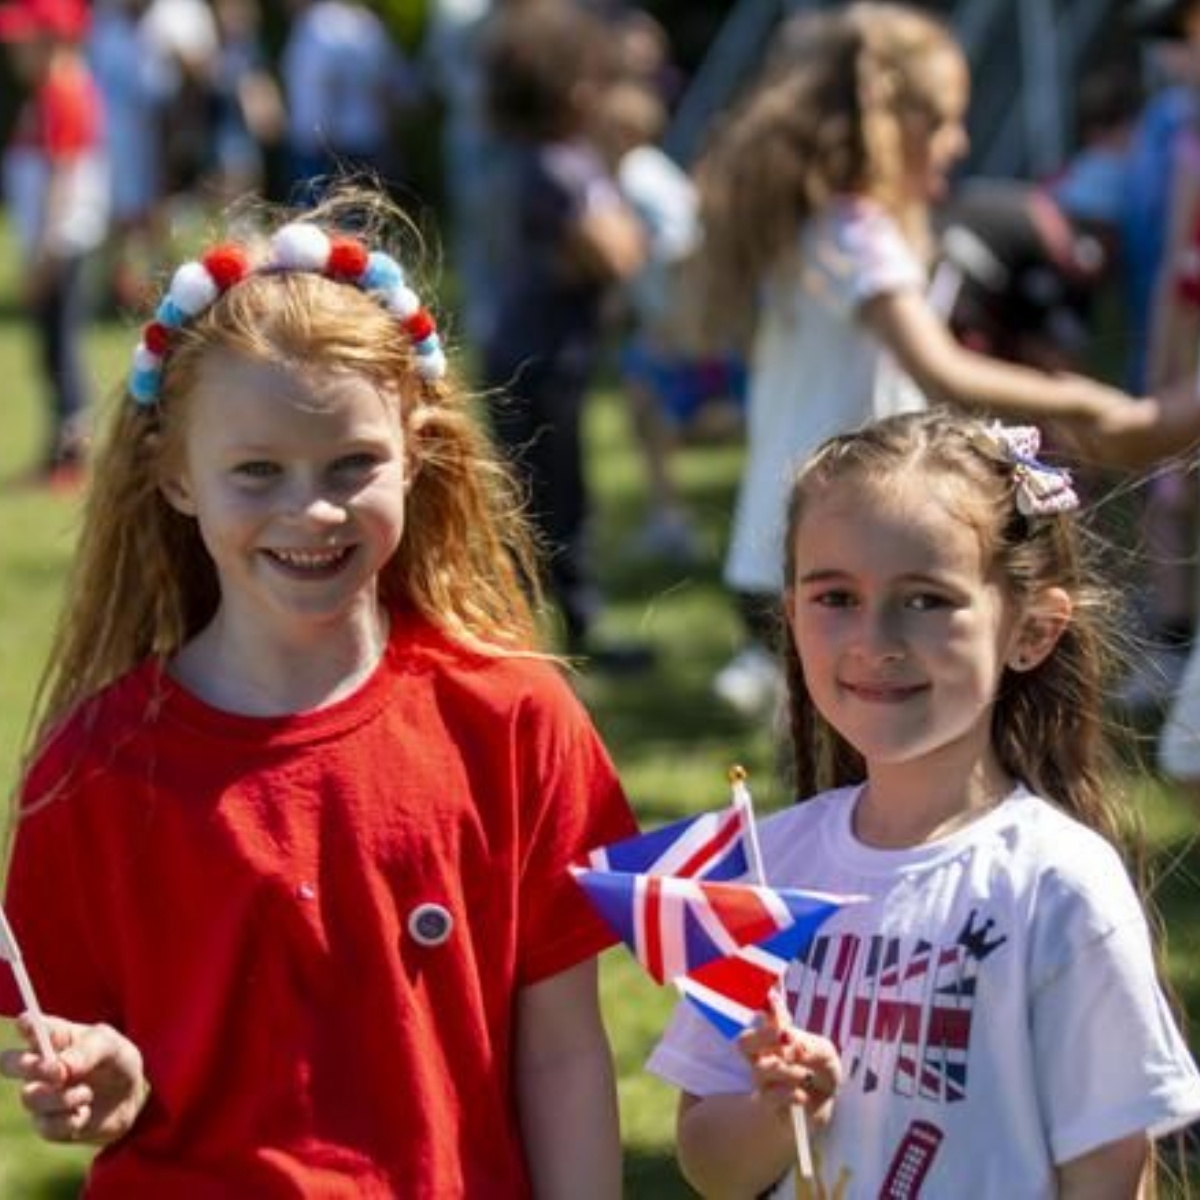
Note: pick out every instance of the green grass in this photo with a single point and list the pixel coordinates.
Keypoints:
(671, 742)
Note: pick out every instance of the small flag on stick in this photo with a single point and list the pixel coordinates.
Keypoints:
(10, 953)
(709, 846)
(676, 926)
(725, 945)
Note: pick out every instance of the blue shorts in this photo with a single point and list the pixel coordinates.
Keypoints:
(682, 383)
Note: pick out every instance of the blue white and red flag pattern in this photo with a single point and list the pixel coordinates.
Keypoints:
(710, 846)
(732, 992)
(676, 926)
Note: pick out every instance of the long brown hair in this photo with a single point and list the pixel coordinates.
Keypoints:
(1048, 724)
(827, 118)
(142, 582)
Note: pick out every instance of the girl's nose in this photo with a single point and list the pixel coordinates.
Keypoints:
(313, 506)
(881, 641)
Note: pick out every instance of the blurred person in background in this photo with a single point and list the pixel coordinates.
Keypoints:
(183, 35)
(1157, 231)
(1023, 274)
(668, 383)
(135, 81)
(57, 193)
(573, 242)
(249, 115)
(344, 81)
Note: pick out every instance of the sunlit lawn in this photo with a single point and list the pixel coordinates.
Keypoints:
(671, 741)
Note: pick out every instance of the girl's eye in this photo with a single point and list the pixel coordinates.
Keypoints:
(833, 598)
(350, 463)
(258, 469)
(926, 602)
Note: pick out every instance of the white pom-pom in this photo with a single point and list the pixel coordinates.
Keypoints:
(144, 359)
(432, 366)
(300, 247)
(192, 289)
(401, 302)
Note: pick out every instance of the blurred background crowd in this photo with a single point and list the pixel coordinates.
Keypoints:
(1070, 238)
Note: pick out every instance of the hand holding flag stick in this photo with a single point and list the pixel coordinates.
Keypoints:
(724, 945)
(743, 803)
(10, 952)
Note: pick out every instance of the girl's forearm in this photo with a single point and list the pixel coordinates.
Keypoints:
(733, 1147)
(571, 1129)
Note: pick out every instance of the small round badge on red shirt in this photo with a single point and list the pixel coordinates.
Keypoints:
(430, 924)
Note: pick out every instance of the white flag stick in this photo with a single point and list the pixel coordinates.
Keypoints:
(10, 951)
(743, 803)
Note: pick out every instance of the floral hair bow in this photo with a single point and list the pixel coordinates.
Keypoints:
(300, 246)
(1041, 490)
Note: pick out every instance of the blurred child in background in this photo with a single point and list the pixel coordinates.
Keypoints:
(573, 240)
(666, 382)
(57, 194)
(815, 203)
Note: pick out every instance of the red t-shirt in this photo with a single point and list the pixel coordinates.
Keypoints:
(248, 900)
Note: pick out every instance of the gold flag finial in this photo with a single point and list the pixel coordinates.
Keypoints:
(737, 773)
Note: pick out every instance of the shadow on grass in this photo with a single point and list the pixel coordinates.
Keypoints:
(650, 1176)
(62, 1183)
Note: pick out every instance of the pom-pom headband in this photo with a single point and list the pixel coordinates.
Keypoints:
(296, 247)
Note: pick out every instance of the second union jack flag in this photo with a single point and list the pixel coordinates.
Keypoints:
(676, 926)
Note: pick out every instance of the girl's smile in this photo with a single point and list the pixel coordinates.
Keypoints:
(311, 564)
(882, 693)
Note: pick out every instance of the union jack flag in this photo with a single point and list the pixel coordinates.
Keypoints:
(710, 846)
(676, 926)
(731, 992)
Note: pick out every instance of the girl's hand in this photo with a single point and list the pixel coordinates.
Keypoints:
(792, 1067)
(92, 1092)
(1153, 430)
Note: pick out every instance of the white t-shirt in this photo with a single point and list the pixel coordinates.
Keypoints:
(994, 1003)
(816, 370)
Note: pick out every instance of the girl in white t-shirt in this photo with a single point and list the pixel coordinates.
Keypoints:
(814, 203)
(988, 1022)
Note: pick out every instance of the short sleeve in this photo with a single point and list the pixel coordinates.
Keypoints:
(573, 803)
(695, 1058)
(855, 252)
(1110, 1059)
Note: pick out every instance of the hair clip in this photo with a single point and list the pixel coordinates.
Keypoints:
(300, 246)
(1041, 490)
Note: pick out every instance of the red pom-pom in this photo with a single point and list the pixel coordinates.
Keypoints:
(420, 325)
(347, 258)
(227, 264)
(156, 337)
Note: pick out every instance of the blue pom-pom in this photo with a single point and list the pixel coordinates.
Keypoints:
(170, 314)
(144, 387)
(383, 273)
(429, 346)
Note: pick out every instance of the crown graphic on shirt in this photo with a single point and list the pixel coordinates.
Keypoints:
(975, 939)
